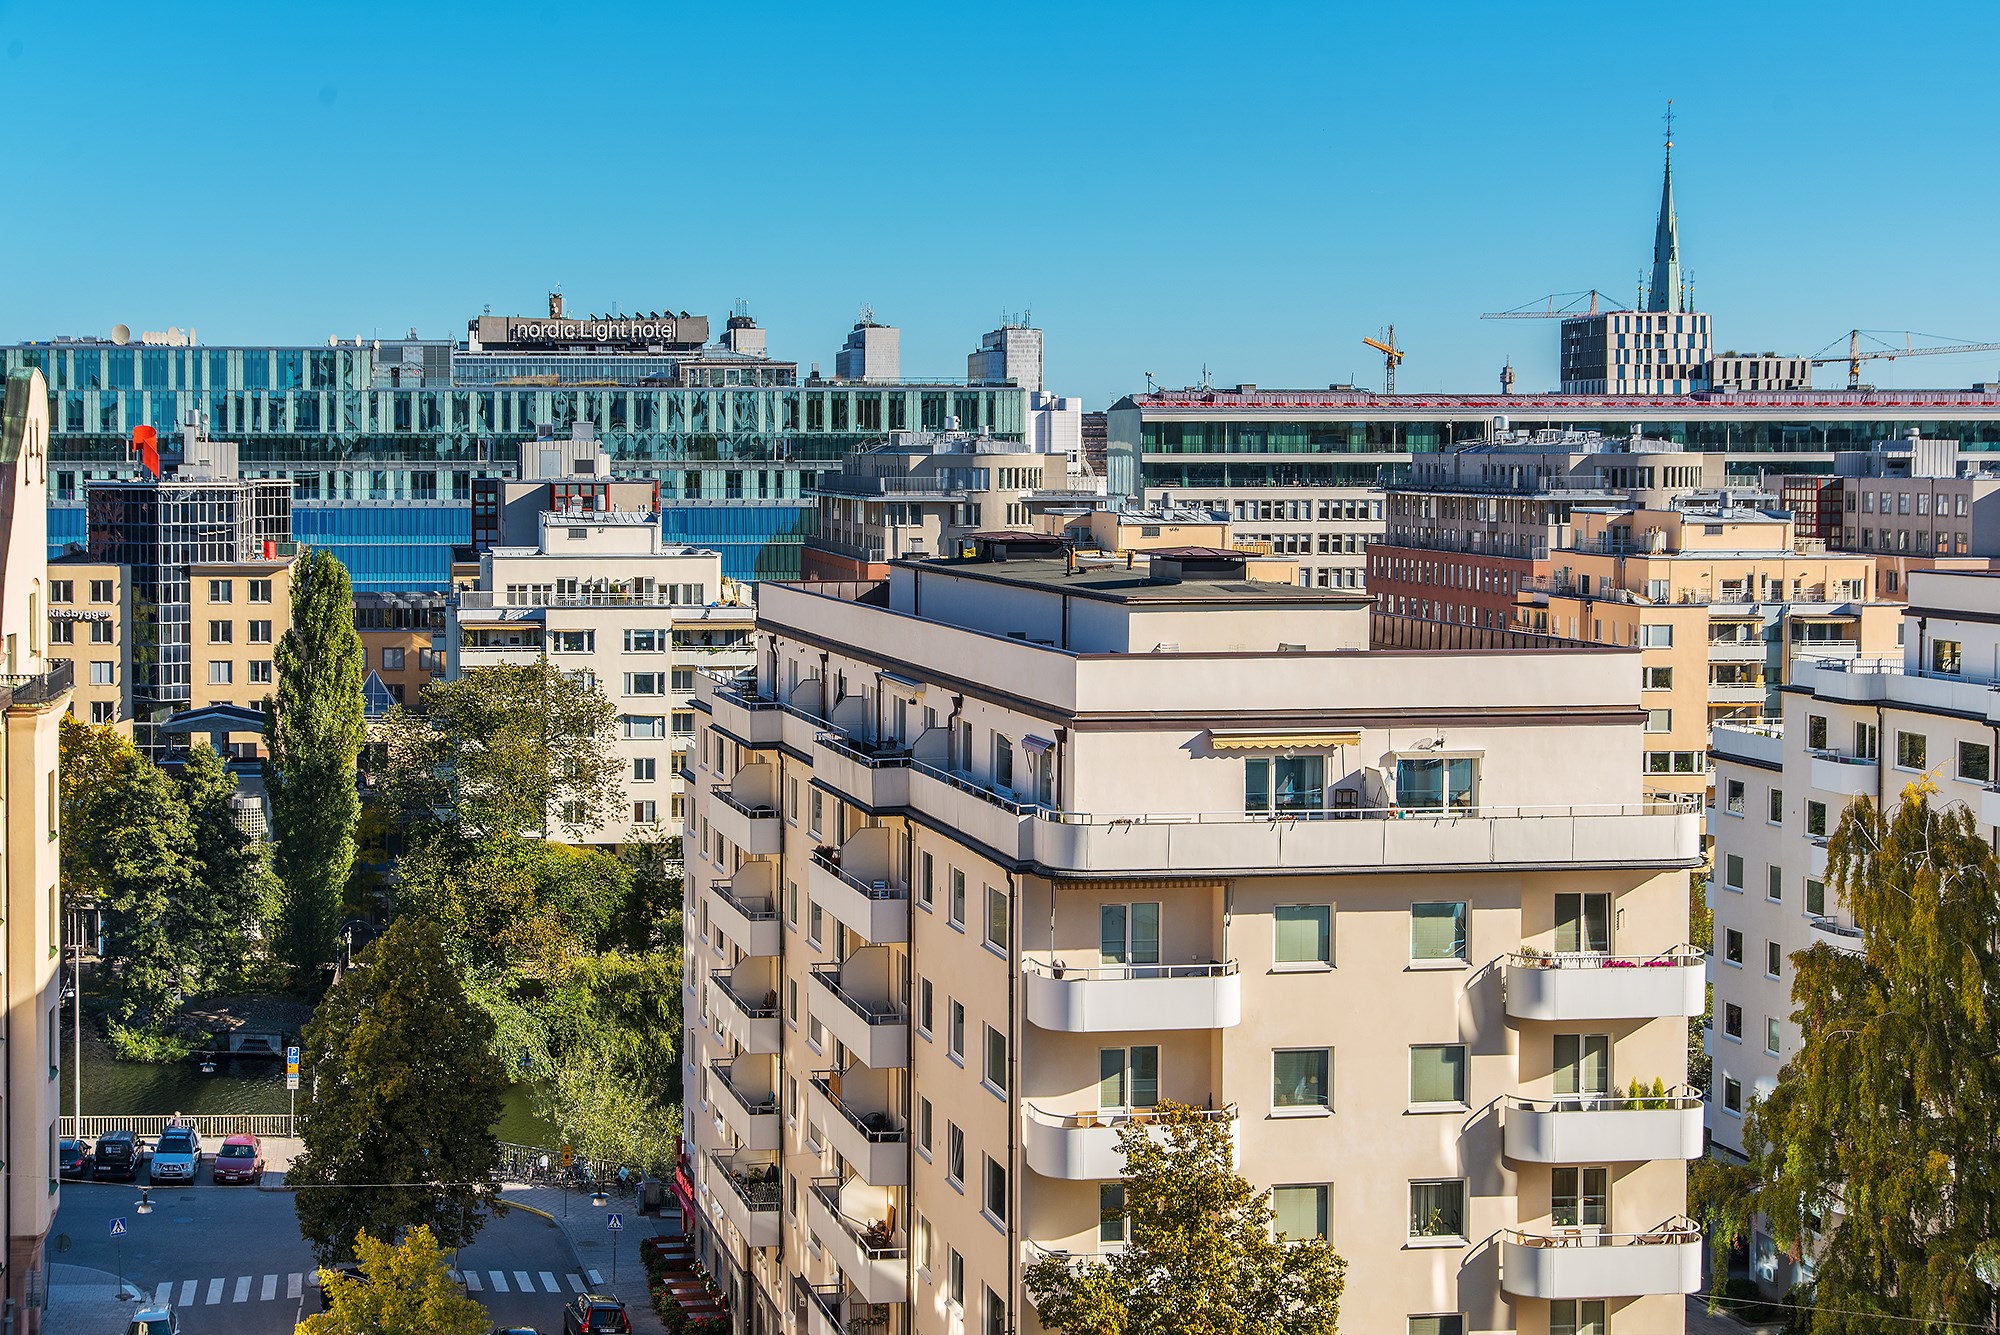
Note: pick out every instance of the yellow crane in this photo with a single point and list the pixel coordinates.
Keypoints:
(1856, 354)
(1391, 354)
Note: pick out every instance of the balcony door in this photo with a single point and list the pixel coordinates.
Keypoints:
(1128, 935)
(1583, 924)
(1579, 1198)
(1582, 1067)
(1128, 1078)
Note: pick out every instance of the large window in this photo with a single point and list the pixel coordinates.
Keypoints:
(1975, 762)
(1437, 931)
(1582, 1065)
(1583, 923)
(1577, 1196)
(1437, 1209)
(1577, 1316)
(1287, 783)
(1300, 1212)
(1128, 933)
(1300, 1078)
(1432, 783)
(1437, 1074)
(1912, 748)
(1128, 1077)
(1304, 933)
(1113, 1225)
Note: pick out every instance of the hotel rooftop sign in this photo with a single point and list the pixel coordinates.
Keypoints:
(549, 332)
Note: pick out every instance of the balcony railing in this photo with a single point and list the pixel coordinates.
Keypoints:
(872, 754)
(1199, 969)
(761, 1010)
(1678, 957)
(1841, 937)
(38, 688)
(876, 1128)
(881, 890)
(755, 910)
(875, 1013)
(757, 1185)
(874, 1241)
(763, 1106)
(735, 803)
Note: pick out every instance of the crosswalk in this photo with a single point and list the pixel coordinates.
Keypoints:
(225, 1290)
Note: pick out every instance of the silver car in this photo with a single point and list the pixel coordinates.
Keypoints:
(176, 1155)
(155, 1321)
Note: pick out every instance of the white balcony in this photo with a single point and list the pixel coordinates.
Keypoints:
(1664, 832)
(1578, 1263)
(873, 1252)
(748, 1192)
(1084, 1147)
(869, 904)
(1590, 986)
(823, 1307)
(749, 1109)
(1736, 651)
(1816, 850)
(1736, 693)
(1989, 805)
(1604, 1128)
(1843, 938)
(877, 775)
(744, 910)
(752, 1021)
(739, 711)
(1761, 742)
(752, 825)
(872, 1140)
(1132, 997)
(1844, 776)
(875, 1029)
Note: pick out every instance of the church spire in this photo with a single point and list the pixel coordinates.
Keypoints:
(1667, 293)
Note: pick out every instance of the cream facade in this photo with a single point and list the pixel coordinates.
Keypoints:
(603, 594)
(34, 693)
(237, 613)
(90, 627)
(986, 860)
(1327, 530)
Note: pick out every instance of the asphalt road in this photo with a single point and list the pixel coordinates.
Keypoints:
(231, 1259)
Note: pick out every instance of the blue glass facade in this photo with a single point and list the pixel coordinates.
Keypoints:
(387, 548)
(756, 541)
(68, 526)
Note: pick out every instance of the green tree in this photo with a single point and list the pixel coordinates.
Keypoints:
(314, 731)
(403, 1290)
(93, 756)
(527, 904)
(1876, 1148)
(651, 914)
(405, 1090)
(614, 1033)
(211, 921)
(138, 842)
(1203, 1259)
(514, 748)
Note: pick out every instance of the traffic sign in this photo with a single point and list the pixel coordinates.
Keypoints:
(616, 1223)
(292, 1061)
(568, 1156)
(118, 1226)
(292, 1080)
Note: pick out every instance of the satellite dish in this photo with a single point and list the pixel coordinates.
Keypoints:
(173, 335)
(121, 334)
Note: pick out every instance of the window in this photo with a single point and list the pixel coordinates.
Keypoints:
(103, 591)
(1583, 923)
(260, 633)
(1437, 1074)
(1774, 884)
(260, 672)
(924, 1242)
(1437, 931)
(62, 591)
(815, 924)
(646, 813)
(221, 672)
(1299, 1212)
(221, 590)
(1771, 1035)
(645, 641)
(996, 919)
(996, 1058)
(1867, 739)
(1732, 1094)
(996, 1314)
(1732, 872)
(1304, 933)
(1577, 1316)
(1732, 796)
(1003, 762)
(1816, 898)
(1435, 783)
(926, 1118)
(924, 890)
(1777, 807)
(1659, 720)
(955, 1278)
(1437, 1209)
(645, 727)
(101, 632)
(1449, 1323)
(572, 641)
(955, 911)
(683, 721)
(221, 632)
(64, 632)
(645, 683)
(996, 1189)
(1732, 1020)
(103, 711)
(1657, 678)
(1947, 657)
(1732, 945)
(645, 769)
(926, 1002)
(104, 674)
(1128, 1077)
(955, 1037)
(1975, 762)
(1300, 1078)
(954, 1153)
(1288, 783)
(1112, 1224)
(1816, 818)
(1576, 1197)
(1582, 1064)
(260, 590)
(1656, 637)
(1128, 933)
(1911, 749)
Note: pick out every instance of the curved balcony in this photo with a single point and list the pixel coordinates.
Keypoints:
(752, 1021)
(1084, 1147)
(861, 1232)
(1577, 1263)
(1847, 940)
(872, 1139)
(871, 906)
(1116, 998)
(751, 825)
(1604, 1128)
(875, 1029)
(749, 919)
(750, 1112)
(1590, 986)
(748, 1192)
(1845, 776)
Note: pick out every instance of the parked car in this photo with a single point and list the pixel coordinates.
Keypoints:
(73, 1160)
(342, 1269)
(515, 1330)
(117, 1157)
(176, 1155)
(155, 1321)
(241, 1159)
(595, 1314)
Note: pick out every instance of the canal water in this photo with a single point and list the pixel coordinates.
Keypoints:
(111, 1087)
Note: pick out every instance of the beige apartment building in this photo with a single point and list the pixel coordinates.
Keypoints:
(90, 627)
(402, 641)
(238, 611)
(986, 859)
(34, 693)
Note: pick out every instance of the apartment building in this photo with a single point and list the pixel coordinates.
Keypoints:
(602, 593)
(34, 693)
(402, 641)
(90, 628)
(987, 858)
(1623, 542)
(1326, 530)
(238, 611)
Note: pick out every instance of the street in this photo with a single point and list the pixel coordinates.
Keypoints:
(232, 1261)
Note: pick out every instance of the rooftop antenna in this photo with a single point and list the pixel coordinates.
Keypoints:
(867, 313)
(1150, 387)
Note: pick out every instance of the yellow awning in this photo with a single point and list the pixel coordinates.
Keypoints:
(1281, 741)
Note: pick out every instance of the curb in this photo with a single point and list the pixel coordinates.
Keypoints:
(531, 1209)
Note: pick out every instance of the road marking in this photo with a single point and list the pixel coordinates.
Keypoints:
(525, 1280)
(164, 1295)
(549, 1283)
(499, 1280)
(472, 1284)
(295, 1284)
(214, 1291)
(243, 1289)
(575, 1282)
(187, 1294)
(312, 1278)
(270, 1289)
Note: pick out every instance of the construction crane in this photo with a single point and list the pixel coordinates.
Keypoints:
(1548, 309)
(1856, 354)
(1391, 354)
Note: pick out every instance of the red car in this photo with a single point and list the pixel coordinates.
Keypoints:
(241, 1159)
(595, 1314)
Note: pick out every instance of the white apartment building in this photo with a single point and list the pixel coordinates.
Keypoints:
(1327, 530)
(987, 858)
(603, 594)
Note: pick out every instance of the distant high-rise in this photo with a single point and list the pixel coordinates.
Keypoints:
(873, 352)
(1011, 354)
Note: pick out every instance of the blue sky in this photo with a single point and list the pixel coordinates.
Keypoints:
(1250, 188)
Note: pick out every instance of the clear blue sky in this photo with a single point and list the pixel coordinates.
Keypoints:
(1251, 188)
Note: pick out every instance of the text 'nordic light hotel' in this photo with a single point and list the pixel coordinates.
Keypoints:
(989, 858)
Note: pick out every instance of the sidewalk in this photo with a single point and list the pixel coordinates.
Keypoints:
(595, 1245)
(86, 1302)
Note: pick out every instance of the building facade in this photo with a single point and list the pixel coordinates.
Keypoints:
(91, 628)
(1011, 354)
(238, 611)
(402, 641)
(949, 936)
(1758, 373)
(873, 352)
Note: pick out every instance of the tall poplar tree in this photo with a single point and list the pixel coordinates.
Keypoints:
(314, 730)
(1876, 1152)
(211, 921)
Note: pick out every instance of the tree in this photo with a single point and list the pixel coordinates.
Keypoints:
(1876, 1147)
(1701, 934)
(526, 904)
(406, 1290)
(405, 1092)
(139, 848)
(1202, 1260)
(93, 755)
(509, 749)
(615, 1037)
(314, 731)
(211, 920)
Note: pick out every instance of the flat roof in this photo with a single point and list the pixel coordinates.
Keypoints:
(1115, 582)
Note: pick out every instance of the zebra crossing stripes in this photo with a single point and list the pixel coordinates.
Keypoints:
(219, 1290)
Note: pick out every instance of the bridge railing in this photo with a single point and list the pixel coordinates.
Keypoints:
(148, 1126)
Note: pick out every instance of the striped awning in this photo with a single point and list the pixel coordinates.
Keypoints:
(1281, 741)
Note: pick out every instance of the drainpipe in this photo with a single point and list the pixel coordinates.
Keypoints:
(1017, 1024)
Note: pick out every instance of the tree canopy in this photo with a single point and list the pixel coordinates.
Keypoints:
(1875, 1151)
(231, 889)
(404, 1090)
(403, 1290)
(1202, 1259)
